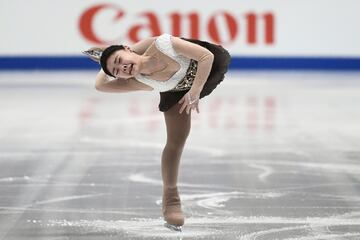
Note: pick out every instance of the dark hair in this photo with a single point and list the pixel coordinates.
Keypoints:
(105, 56)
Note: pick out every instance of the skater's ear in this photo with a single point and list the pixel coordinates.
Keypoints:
(94, 53)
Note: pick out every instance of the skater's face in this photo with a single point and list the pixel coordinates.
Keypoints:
(123, 63)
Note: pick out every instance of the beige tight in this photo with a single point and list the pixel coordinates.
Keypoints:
(178, 128)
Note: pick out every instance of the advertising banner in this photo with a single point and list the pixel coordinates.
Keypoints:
(255, 32)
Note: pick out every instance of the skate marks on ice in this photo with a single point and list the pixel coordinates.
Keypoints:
(136, 228)
(319, 209)
(333, 227)
(217, 221)
(292, 210)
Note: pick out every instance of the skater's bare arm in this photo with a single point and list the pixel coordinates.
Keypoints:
(118, 85)
(202, 55)
(141, 46)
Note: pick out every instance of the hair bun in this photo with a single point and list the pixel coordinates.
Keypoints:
(94, 54)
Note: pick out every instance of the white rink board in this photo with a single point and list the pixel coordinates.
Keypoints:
(300, 28)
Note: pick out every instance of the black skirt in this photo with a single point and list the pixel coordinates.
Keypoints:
(219, 67)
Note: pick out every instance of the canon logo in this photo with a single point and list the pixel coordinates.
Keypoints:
(244, 25)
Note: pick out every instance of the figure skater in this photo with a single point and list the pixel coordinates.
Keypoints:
(183, 71)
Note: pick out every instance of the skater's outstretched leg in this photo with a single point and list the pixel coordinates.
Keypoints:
(178, 128)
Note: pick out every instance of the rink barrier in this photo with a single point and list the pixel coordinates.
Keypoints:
(238, 62)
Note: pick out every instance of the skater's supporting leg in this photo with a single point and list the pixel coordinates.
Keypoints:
(178, 128)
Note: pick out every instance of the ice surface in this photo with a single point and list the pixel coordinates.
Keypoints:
(270, 156)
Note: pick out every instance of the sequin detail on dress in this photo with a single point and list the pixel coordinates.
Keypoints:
(187, 81)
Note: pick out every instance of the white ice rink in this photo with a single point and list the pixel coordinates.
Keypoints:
(270, 156)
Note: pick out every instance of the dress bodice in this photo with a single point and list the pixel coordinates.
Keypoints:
(163, 44)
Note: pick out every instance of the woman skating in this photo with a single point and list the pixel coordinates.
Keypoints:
(183, 71)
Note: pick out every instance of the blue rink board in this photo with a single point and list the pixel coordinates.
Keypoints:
(238, 62)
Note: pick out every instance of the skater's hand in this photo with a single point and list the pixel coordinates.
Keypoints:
(189, 102)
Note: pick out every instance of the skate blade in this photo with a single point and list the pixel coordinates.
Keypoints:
(173, 227)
